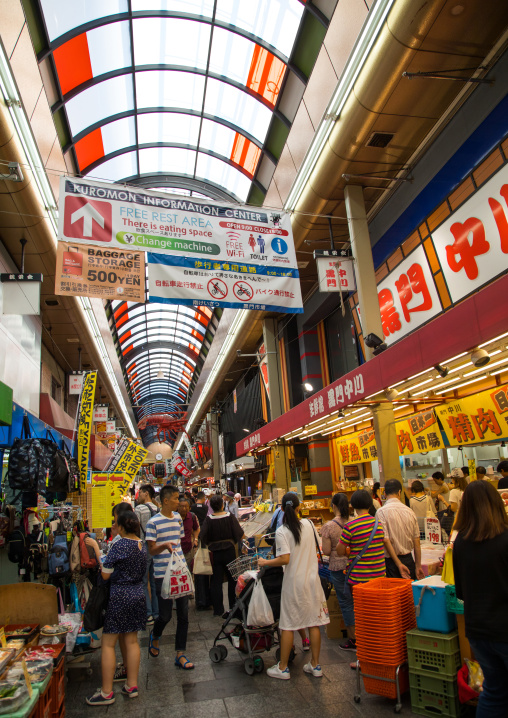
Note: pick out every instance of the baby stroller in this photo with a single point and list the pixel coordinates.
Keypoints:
(250, 641)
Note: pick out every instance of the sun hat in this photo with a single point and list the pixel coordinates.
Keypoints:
(456, 474)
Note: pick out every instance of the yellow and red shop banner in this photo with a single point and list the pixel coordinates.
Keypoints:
(108, 490)
(85, 410)
(357, 447)
(476, 419)
(418, 432)
(131, 459)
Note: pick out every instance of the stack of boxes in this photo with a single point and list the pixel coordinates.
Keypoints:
(433, 652)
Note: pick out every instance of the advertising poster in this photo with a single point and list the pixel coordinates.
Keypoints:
(85, 411)
(88, 271)
(358, 447)
(419, 432)
(131, 459)
(120, 451)
(199, 252)
(476, 419)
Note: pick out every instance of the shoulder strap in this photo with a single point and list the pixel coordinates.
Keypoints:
(364, 549)
(315, 539)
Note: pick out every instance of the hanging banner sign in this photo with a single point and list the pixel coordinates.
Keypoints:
(100, 413)
(418, 432)
(131, 459)
(85, 411)
(263, 367)
(358, 447)
(76, 382)
(203, 253)
(108, 490)
(476, 419)
(115, 459)
(100, 272)
(179, 465)
(336, 274)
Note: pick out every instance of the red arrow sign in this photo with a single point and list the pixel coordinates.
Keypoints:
(88, 219)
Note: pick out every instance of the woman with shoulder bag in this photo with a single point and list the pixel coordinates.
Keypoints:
(330, 534)
(302, 602)
(221, 532)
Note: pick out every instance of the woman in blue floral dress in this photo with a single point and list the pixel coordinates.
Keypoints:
(124, 567)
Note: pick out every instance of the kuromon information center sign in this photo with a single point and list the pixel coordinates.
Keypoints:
(199, 253)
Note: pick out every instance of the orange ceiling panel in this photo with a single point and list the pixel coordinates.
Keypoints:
(89, 149)
(245, 154)
(72, 60)
(266, 74)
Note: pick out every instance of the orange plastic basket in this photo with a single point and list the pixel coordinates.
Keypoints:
(384, 688)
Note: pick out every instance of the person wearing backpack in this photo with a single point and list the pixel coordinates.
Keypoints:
(145, 509)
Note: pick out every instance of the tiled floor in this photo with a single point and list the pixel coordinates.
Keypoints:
(224, 690)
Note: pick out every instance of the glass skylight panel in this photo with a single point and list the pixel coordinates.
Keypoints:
(171, 41)
(100, 101)
(116, 169)
(217, 137)
(172, 127)
(194, 7)
(167, 160)
(231, 55)
(109, 47)
(167, 88)
(274, 21)
(63, 15)
(222, 174)
(230, 103)
(118, 134)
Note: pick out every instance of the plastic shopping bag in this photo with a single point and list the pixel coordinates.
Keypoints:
(447, 574)
(177, 579)
(202, 562)
(260, 612)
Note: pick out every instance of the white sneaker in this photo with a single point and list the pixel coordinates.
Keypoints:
(317, 672)
(275, 672)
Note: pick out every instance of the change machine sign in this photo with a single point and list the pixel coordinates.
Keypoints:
(199, 253)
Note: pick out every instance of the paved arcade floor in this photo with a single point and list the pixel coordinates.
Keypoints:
(224, 690)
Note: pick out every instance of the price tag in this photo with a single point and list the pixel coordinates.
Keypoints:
(310, 490)
(27, 678)
(3, 640)
(432, 530)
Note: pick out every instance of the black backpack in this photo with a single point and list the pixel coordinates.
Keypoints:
(16, 551)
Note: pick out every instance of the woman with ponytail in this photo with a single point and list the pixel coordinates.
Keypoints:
(303, 603)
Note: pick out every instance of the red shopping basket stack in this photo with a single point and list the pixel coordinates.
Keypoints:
(384, 612)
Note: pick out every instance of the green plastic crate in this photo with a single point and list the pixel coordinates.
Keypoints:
(434, 662)
(444, 685)
(430, 703)
(447, 643)
(453, 604)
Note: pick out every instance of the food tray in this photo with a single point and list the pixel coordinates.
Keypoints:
(11, 629)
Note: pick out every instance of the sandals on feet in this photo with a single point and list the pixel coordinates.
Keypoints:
(187, 666)
(152, 648)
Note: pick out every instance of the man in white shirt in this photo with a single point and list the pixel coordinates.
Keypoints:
(401, 527)
(232, 506)
(145, 509)
(164, 533)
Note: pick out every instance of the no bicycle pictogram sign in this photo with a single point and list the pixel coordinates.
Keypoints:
(243, 291)
(217, 288)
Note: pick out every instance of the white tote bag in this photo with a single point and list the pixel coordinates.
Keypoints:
(203, 562)
(260, 612)
(177, 579)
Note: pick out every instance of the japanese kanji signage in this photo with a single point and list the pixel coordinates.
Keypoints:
(200, 252)
(472, 244)
(479, 418)
(335, 274)
(419, 432)
(85, 410)
(408, 297)
(100, 413)
(358, 447)
(76, 382)
(100, 272)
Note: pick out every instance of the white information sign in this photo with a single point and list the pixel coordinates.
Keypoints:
(199, 252)
(336, 274)
(75, 383)
(432, 530)
(100, 413)
(472, 244)
(408, 297)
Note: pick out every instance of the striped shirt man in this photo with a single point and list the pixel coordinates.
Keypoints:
(160, 529)
(355, 535)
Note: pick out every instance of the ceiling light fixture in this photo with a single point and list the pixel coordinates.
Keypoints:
(479, 357)
(441, 370)
(308, 387)
(391, 394)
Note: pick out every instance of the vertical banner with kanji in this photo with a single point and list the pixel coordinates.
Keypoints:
(418, 433)
(131, 459)
(476, 419)
(85, 412)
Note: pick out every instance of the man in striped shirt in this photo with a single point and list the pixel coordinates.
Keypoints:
(164, 533)
(355, 535)
(401, 527)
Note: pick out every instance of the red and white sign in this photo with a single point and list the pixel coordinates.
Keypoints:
(408, 297)
(110, 427)
(472, 244)
(432, 530)
(335, 274)
(179, 465)
(263, 367)
(88, 219)
(100, 413)
(75, 383)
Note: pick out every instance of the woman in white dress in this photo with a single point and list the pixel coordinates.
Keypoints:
(303, 603)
